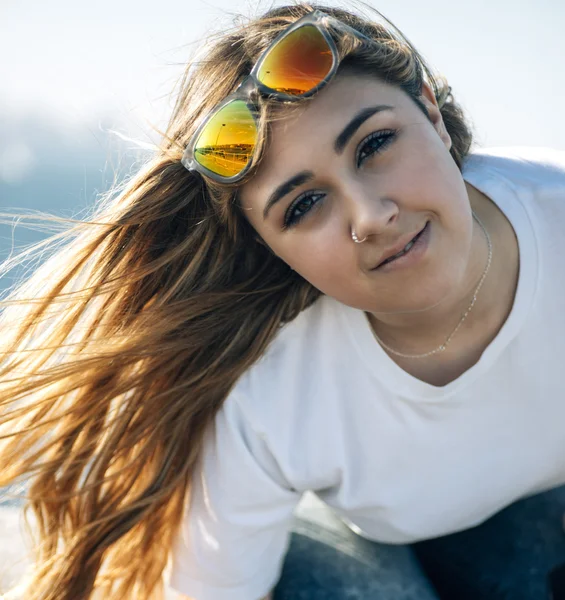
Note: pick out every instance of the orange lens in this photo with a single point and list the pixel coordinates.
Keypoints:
(226, 144)
(298, 63)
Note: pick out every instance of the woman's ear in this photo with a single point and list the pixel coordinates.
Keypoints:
(430, 102)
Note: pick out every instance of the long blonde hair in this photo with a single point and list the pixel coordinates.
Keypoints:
(118, 350)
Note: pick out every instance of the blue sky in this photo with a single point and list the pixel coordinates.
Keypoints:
(73, 65)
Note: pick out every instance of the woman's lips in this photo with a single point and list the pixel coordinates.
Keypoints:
(412, 256)
(398, 247)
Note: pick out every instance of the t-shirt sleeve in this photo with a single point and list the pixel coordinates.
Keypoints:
(236, 529)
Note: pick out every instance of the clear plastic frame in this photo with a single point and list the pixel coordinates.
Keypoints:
(243, 98)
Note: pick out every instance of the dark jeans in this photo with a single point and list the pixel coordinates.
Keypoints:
(508, 557)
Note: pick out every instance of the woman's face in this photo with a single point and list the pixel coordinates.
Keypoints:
(339, 164)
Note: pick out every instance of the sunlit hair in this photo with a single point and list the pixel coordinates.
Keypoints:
(120, 348)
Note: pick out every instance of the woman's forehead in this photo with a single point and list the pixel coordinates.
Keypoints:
(345, 95)
(297, 134)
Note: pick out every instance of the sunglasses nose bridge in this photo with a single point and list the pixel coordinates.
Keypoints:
(247, 87)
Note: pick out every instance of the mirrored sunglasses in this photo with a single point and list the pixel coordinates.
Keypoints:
(299, 62)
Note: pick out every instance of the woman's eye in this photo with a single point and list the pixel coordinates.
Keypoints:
(375, 142)
(302, 205)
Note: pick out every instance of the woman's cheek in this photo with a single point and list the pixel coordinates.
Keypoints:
(327, 266)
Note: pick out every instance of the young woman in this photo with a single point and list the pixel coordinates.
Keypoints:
(314, 285)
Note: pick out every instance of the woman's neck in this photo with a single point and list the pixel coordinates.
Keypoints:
(416, 333)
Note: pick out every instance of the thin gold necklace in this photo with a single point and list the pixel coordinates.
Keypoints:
(443, 346)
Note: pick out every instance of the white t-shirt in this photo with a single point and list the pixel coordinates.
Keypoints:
(398, 459)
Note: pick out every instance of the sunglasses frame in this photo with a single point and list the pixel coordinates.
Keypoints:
(251, 86)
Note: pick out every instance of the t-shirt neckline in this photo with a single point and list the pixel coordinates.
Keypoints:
(396, 379)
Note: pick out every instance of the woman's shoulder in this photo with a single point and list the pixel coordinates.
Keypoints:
(533, 165)
(309, 332)
(302, 351)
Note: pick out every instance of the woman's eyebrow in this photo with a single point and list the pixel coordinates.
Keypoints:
(341, 141)
(285, 188)
(355, 123)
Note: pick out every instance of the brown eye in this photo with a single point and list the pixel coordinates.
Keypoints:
(375, 142)
(300, 207)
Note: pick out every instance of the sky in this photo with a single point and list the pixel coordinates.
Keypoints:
(75, 67)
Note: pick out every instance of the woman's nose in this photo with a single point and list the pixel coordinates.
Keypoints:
(370, 213)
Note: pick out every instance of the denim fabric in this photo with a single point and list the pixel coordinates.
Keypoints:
(507, 557)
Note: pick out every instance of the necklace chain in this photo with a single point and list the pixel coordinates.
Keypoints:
(443, 346)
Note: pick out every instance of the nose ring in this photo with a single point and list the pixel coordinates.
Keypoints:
(355, 238)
